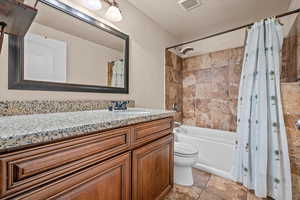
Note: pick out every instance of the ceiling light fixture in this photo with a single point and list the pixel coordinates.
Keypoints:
(91, 4)
(113, 13)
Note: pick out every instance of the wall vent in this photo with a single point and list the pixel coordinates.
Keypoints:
(189, 5)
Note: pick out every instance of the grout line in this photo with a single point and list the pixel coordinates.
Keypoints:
(204, 189)
(208, 180)
(200, 194)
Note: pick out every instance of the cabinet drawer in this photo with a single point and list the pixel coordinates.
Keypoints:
(36, 166)
(150, 131)
(104, 181)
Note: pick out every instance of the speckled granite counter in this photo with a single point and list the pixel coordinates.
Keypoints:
(23, 130)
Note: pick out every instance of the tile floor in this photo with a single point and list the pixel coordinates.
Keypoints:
(210, 187)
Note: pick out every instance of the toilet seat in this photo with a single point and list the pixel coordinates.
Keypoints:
(184, 150)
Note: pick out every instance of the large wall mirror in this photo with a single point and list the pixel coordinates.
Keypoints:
(67, 50)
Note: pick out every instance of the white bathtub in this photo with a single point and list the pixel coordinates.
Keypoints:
(216, 148)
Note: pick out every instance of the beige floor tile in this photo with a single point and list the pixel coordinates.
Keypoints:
(201, 178)
(184, 193)
(211, 187)
(210, 196)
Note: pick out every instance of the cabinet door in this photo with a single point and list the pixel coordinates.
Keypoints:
(109, 180)
(152, 167)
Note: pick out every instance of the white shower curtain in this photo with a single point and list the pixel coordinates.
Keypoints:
(118, 74)
(261, 160)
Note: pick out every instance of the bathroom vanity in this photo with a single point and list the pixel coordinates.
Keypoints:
(95, 155)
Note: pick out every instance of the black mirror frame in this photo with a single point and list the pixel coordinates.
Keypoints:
(16, 59)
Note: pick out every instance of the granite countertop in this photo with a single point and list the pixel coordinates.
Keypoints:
(23, 130)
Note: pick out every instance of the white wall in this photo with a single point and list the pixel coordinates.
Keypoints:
(295, 4)
(290, 20)
(147, 45)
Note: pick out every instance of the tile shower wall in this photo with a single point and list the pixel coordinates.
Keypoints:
(173, 84)
(291, 105)
(210, 89)
(291, 54)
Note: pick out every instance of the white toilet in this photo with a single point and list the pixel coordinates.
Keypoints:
(185, 156)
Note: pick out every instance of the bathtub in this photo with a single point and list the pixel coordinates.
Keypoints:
(216, 148)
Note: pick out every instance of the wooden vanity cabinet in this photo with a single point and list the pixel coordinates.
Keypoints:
(152, 167)
(133, 162)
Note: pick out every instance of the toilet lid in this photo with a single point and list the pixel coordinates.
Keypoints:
(184, 149)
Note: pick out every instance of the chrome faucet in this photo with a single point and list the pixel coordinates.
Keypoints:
(119, 105)
(175, 107)
(177, 124)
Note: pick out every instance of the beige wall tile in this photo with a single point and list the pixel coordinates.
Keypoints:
(212, 80)
(173, 83)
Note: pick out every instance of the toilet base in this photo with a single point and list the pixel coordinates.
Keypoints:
(183, 176)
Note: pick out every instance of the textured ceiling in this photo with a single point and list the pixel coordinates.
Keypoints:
(213, 16)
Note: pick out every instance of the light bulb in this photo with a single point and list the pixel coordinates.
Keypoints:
(92, 4)
(114, 14)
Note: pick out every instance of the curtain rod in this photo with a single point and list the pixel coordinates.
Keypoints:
(231, 30)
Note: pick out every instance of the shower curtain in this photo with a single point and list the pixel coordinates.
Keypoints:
(261, 160)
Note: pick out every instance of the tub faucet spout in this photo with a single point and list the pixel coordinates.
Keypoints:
(177, 124)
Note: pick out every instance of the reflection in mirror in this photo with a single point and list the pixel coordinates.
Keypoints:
(63, 49)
